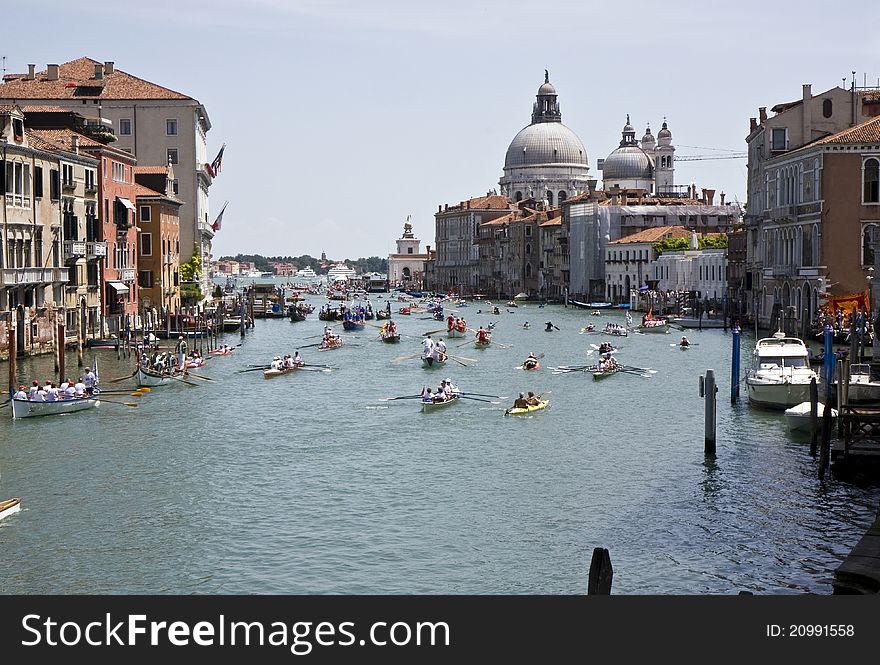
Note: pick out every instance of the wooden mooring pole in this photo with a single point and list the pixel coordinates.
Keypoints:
(708, 389)
(734, 365)
(12, 338)
(61, 354)
(814, 415)
(601, 573)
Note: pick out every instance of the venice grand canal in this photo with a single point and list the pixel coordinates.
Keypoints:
(308, 483)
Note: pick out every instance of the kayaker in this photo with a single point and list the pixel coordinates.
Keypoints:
(549, 326)
(532, 399)
(521, 402)
(684, 341)
(531, 362)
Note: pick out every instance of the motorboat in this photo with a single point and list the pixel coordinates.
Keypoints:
(780, 374)
(797, 418)
(862, 388)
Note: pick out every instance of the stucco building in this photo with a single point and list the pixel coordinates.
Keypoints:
(406, 266)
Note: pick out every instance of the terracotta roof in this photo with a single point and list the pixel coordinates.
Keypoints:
(499, 221)
(7, 108)
(143, 190)
(61, 138)
(150, 169)
(866, 132)
(491, 202)
(76, 80)
(556, 221)
(654, 235)
(784, 106)
(44, 109)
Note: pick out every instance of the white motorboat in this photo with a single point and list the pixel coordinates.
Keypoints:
(797, 418)
(780, 374)
(861, 388)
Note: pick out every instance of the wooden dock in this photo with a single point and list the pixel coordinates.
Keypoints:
(860, 571)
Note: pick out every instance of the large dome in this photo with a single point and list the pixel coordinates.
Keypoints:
(545, 143)
(627, 163)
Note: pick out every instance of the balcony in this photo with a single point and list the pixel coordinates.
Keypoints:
(97, 249)
(91, 188)
(31, 276)
(127, 274)
(68, 184)
(73, 249)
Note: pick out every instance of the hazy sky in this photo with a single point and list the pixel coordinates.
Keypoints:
(342, 117)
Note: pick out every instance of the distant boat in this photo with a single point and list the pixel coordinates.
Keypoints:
(592, 305)
(9, 507)
(306, 273)
(522, 295)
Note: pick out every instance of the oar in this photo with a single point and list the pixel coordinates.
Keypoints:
(177, 378)
(309, 346)
(110, 401)
(477, 399)
(433, 332)
(253, 369)
(123, 378)
(391, 399)
(402, 358)
(199, 376)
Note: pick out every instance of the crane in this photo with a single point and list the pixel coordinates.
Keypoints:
(690, 158)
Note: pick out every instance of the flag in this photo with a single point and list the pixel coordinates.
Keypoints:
(216, 224)
(214, 167)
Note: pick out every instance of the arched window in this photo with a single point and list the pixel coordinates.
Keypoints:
(827, 108)
(817, 177)
(867, 246)
(528, 249)
(406, 273)
(550, 197)
(561, 197)
(800, 188)
(871, 180)
(528, 270)
(518, 196)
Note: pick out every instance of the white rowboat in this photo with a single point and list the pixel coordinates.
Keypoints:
(23, 408)
(9, 507)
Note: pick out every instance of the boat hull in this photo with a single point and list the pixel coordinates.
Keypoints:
(22, 408)
(598, 376)
(663, 328)
(391, 339)
(430, 363)
(428, 407)
(455, 334)
(797, 417)
(149, 379)
(482, 345)
(777, 395)
(9, 507)
(529, 409)
(272, 373)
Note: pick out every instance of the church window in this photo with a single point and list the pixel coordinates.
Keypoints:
(518, 196)
(409, 250)
(560, 197)
(528, 249)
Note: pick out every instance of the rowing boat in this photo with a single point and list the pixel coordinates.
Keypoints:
(544, 403)
(482, 345)
(605, 373)
(390, 339)
(151, 379)
(431, 363)
(427, 407)
(654, 326)
(537, 365)
(271, 373)
(9, 507)
(23, 408)
(226, 352)
(335, 344)
(193, 363)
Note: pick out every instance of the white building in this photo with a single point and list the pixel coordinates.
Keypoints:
(629, 261)
(406, 265)
(155, 124)
(703, 271)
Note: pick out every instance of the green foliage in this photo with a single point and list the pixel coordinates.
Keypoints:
(715, 241)
(190, 293)
(191, 271)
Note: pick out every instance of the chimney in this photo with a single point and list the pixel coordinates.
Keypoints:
(51, 72)
(445, 206)
(439, 208)
(109, 67)
(753, 124)
(709, 195)
(74, 144)
(99, 71)
(428, 250)
(762, 114)
(722, 198)
(31, 72)
(807, 115)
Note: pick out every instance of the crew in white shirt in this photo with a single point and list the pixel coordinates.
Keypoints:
(70, 391)
(40, 396)
(51, 392)
(21, 394)
(32, 391)
(80, 387)
(440, 350)
(89, 381)
(427, 347)
(297, 359)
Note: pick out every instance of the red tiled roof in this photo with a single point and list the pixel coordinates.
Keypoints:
(866, 132)
(76, 79)
(556, 221)
(44, 109)
(150, 169)
(61, 138)
(7, 108)
(654, 235)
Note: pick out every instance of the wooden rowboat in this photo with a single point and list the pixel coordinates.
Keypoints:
(430, 363)
(324, 346)
(427, 407)
(150, 379)
(23, 408)
(482, 345)
(390, 339)
(529, 409)
(9, 507)
(604, 374)
(271, 373)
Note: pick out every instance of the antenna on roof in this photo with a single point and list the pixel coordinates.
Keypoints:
(4, 65)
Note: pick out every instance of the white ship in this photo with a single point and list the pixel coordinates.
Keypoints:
(340, 272)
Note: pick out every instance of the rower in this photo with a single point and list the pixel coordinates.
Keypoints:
(32, 391)
(684, 341)
(532, 399)
(21, 394)
(496, 311)
(482, 335)
(526, 325)
(521, 402)
(450, 322)
(531, 361)
(440, 350)
(549, 326)
(297, 360)
(427, 347)
(450, 388)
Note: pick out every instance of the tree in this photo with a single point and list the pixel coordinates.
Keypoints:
(191, 271)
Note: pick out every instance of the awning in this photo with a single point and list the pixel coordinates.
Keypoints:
(124, 201)
(118, 286)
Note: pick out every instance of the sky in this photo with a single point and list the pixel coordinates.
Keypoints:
(342, 118)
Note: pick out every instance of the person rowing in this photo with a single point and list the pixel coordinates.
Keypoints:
(483, 335)
(684, 341)
(526, 325)
(521, 402)
(531, 362)
(548, 326)
(496, 311)
(532, 399)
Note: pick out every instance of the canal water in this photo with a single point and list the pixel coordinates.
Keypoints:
(308, 483)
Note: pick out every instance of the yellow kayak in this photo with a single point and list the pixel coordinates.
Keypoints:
(529, 409)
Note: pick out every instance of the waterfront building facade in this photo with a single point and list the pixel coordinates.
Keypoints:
(158, 222)
(811, 204)
(32, 271)
(152, 123)
(406, 266)
(545, 160)
(629, 261)
(456, 227)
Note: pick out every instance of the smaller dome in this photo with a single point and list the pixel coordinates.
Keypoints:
(664, 133)
(628, 127)
(546, 89)
(648, 137)
(628, 163)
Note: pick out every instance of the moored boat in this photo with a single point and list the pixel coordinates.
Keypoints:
(780, 375)
(544, 403)
(9, 507)
(23, 408)
(797, 417)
